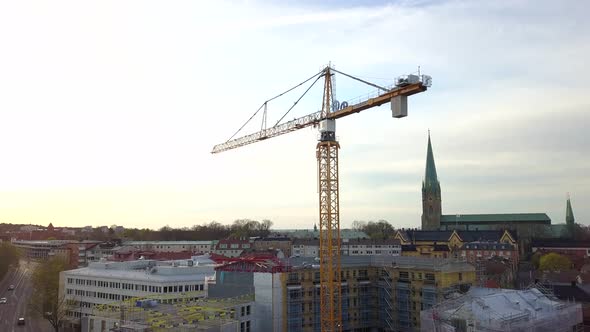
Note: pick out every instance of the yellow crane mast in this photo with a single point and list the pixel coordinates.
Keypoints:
(327, 157)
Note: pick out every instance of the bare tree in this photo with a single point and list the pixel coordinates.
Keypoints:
(55, 311)
(47, 302)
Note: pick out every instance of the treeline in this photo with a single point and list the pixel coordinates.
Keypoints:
(241, 228)
(8, 256)
(376, 230)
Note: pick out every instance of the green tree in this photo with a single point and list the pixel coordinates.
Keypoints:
(47, 302)
(9, 255)
(554, 262)
(379, 230)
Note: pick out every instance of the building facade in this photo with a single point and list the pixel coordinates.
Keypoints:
(273, 243)
(232, 247)
(378, 293)
(195, 247)
(349, 247)
(107, 282)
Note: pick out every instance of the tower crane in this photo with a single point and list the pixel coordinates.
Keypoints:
(327, 161)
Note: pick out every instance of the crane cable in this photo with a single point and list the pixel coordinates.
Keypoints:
(297, 101)
(277, 96)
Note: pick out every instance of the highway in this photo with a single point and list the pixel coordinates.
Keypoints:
(17, 304)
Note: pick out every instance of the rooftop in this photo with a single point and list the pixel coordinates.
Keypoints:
(505, 310)
(495, 218)
(170, 243)
(402, 262)
(150, 270)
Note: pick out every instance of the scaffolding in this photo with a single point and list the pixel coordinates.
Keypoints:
(184, 314)
(493, 310)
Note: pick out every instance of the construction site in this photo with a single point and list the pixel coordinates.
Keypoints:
(507, 310)
(154, 314)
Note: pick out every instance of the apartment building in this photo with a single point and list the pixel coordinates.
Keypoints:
(384, 293)
(232, 247)
(273, 243)
(105, 282)
(349, 247)
(478, 251)
(195, 247)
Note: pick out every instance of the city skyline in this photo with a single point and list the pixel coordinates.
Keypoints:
(110, 110)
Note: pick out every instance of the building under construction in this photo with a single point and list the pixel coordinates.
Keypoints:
(506, 310)
(377, 293)
(150, 314)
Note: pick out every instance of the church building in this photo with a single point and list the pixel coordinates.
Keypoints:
(525, 225)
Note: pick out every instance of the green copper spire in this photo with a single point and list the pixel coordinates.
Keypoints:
(430, 182)
(569, 213)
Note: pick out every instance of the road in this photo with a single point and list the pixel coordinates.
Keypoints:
(18, 299)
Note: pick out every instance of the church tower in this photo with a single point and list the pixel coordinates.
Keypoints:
(431, 198)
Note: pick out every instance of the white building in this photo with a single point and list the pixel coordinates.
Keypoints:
(205, 315)
(196, 247)
(349, 247)
(489, 309)
(108, 282)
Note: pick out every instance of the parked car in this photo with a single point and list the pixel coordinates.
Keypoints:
(11, 287)
(21, 321)
(3, 300)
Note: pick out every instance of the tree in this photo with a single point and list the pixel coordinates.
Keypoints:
(47, 302)
(359, 225)
(9, 255)
(379, 230)
(554, 262)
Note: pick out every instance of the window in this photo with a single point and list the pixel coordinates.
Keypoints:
(460, 276)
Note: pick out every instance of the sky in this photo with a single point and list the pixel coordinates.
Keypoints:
(109, 109)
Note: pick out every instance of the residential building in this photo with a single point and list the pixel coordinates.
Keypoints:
(571, 248)
(433, 243)
(378, 292)
(195, 247)
(273, 243)
(349, 247)
(45, 249)
(487, 310)
(314, 234)
(232, 247)
(107, 282)
(478, 251)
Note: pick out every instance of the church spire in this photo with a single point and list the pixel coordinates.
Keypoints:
(430, 183)
(569, 213)
(431, 196)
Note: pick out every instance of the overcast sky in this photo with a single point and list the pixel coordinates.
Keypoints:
(109, 109)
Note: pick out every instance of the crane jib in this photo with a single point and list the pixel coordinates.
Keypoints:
(315, 118)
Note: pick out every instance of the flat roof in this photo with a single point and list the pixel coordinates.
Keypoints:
(402, 262)
(200, 273)
(495, 217)
(167, 242)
